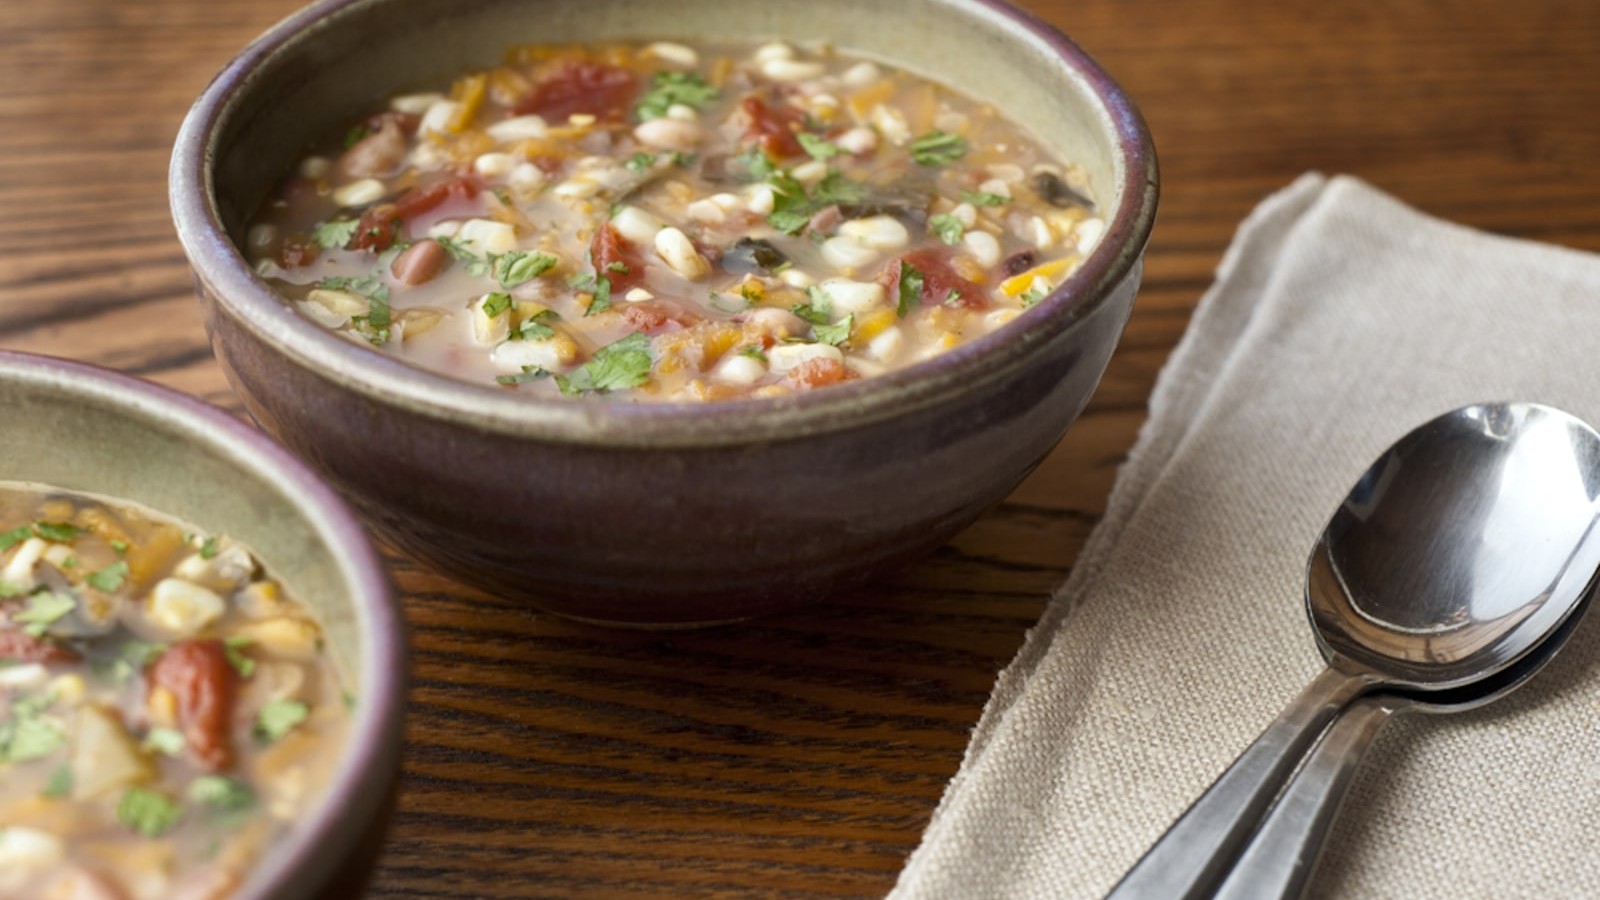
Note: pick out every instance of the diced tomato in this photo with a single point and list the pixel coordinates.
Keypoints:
(940, 282)
(204, 684)
(615, 259)
(655, 316)
(570, 86)
(385, 223)
(772, 127)
(815, 373)
(19, 646)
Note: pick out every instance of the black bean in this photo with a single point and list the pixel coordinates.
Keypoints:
(1020, 262)
(1055, 192)
(752, 256)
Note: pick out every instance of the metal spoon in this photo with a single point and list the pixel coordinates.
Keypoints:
(1457, 553)
(1282, 855)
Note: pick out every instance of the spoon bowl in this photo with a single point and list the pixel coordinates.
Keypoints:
(1464, 548)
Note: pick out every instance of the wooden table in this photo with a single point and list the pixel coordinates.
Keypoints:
(798, 756)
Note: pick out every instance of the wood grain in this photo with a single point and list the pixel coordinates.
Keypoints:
(799, 756)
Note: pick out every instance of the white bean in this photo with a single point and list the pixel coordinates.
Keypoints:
(783, 357)
(636, 225)
(669, 134)
(552, 353)
(1088, 234)
(489, 330)
(983, 247)
(414, 104)
(359, 193)
(853, 296)
(705, 211)
(846, 254)
(677, 54)
(858, 141)
(494, 165)
(488, 236)
(677, 251)
(182, 608)
(887, 344)
(769, 52)
(790, 70)
(438, 117)
(518, 128)
(877, 232)
(762, 200)
(736, 368)
(861, 74)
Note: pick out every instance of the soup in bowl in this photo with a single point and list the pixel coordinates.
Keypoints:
(679, 405)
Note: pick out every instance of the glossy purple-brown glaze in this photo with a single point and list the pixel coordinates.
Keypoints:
(650, 513)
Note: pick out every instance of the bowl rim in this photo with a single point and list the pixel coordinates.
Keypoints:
(239, 293)
(357, 790)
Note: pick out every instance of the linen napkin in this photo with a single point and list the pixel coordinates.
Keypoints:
(1340, 320)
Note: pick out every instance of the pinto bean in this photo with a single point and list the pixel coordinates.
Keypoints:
(19, 646)
(377, 155)
(420, 262)
(205, 686)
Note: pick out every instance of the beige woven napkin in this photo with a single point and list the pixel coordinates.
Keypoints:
(1340, 319)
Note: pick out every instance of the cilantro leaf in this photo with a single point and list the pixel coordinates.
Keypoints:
(600, 287)
(9, 589)
(810, 313)
(640, 161)
(948, 228)
(233, 651)
(165, 741)
(220, 793)
(938, 148)
(534, 327)
(109, 579)
(616, 366)
(818, 148)
(670, 88)
(837, 333)
(910, 289)
(279, 717)
(495, 303)
(334, 235)
(1033, 296)
(754, 352)
(208, 547)
(528, 373)
(148, 813)
(60, 532)
(518, 267)
(43, 610)
(979, 198)
(15, 536)
(29, 735)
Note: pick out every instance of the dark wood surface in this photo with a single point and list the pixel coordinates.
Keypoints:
(799, 756)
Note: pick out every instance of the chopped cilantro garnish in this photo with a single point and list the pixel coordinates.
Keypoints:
(979, 198)
(208, 548)
(534, 328)
(810, 313)
(518, 267)
(148, 813)
(28, 735)
(70, 562)
(754, 352)
(1033, 296)
(670, 88)
(60, 783)
(165, 741)
(60, 532)
(120, 546)
(355, 134)
(835, 188)
(9, 589)
(44, 608)
(109, 579)
(640, 161)
(948, 228)
(369, 286)
(758, 163)
(597, 285)
(15, 536)
(938, 148)
(818, 148)
(910, 289)
(616, 366)
(835, 334)
(528, 373)
(793, 207)
(233, 651)
(496, 303)
(220, 793)
(456, 249)
(374, 326)
(335, 234)
(951, 298)
(278, 717)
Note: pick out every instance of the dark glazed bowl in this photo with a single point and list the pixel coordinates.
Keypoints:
(80, 428)
(658, 514)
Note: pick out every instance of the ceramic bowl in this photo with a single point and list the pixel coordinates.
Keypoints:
(657, 514)
(80, 428)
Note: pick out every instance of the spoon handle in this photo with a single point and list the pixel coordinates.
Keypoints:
(1189, 860)
(1283, 854)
